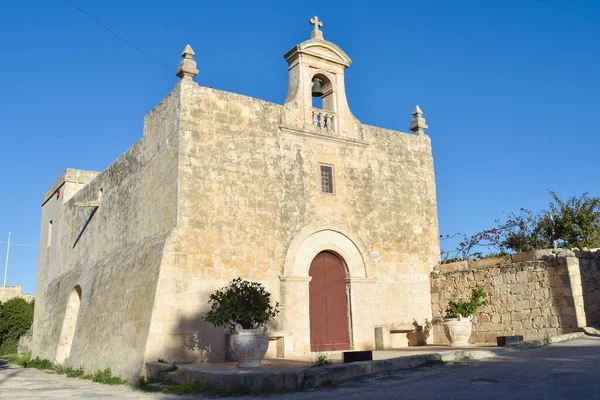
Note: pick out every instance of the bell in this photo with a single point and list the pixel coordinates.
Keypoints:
(317, 91)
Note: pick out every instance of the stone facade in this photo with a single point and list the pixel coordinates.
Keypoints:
(222, 186)
(11, 292)
(546, 292)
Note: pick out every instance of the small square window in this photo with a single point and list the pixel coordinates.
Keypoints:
(326, 179)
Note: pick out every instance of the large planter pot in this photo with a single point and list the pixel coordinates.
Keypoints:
(458, 330)
(249, 346)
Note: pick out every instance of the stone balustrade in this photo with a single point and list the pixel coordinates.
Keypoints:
(322, 119)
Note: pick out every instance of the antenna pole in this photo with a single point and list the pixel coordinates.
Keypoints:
(6, 265)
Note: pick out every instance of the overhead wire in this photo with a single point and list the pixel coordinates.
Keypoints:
(20, 244)
(118, 36)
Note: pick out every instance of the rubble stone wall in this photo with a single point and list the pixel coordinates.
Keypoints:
(533, 294)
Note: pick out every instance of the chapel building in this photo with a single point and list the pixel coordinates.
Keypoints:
(337, 219)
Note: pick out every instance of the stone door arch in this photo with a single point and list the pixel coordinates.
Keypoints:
(69, 323)
(313, 239)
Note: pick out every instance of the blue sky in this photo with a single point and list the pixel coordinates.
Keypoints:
(510, 90)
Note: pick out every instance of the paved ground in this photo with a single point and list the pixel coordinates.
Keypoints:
(568, 370)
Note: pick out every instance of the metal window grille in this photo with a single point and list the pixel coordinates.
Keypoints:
(326, 179)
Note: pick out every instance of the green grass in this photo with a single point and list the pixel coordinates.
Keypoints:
(107, 377)
(15, 358)
(37, 363)
(102, 376)
(189, 388)
(320, 360)
(8, 347)
(547, 339)
(69, 371)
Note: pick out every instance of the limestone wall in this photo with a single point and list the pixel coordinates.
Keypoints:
(217, 189)
(113, 252)
(531, 294)
(248, 188)
(11, 292)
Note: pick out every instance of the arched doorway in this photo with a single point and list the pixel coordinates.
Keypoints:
(68, 329)
(329, 327)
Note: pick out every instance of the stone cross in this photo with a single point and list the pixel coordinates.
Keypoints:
(187, 67)
(418, 125)
(316, 33)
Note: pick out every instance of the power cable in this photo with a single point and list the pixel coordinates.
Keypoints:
(119, 36)
(20, 244)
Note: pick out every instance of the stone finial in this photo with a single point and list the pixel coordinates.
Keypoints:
(187, 67)
(316, 33)
(418, 125)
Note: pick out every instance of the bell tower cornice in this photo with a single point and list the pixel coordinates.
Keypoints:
(316, 100)
(319, 50)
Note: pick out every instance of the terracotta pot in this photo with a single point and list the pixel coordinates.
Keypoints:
(249, 346)
(458, 330)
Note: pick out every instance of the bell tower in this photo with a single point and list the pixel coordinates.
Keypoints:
(316, 72)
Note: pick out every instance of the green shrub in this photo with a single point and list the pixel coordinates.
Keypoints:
(465, 308)
(16, 317)
(242, 302)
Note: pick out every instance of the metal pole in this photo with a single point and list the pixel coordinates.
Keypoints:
(6, 265)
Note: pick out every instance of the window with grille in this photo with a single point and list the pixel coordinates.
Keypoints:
(326, 179)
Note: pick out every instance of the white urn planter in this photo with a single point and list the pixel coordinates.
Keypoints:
(458, 330)
(249, 346)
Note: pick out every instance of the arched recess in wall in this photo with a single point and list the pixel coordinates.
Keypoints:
(69, 323)
(327, 236)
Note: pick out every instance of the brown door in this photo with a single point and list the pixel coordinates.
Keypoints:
(328, 305)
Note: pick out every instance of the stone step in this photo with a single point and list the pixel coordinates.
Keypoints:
(265, 380)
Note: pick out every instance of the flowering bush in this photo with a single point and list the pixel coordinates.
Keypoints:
(571, 224)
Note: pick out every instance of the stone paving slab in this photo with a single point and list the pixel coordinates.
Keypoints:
(283, 378)
(290, 375)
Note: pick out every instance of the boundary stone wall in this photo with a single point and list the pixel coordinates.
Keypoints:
(535, 294)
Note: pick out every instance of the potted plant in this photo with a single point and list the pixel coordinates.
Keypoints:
(457, 321)
(244, 308)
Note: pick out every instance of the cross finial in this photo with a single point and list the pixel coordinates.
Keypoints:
(316, 33)
(187, 67)
(418, 125)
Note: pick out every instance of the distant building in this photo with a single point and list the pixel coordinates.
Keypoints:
(336, 218)
(12, 292)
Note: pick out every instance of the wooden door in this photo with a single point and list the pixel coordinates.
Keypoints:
(329, 329)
